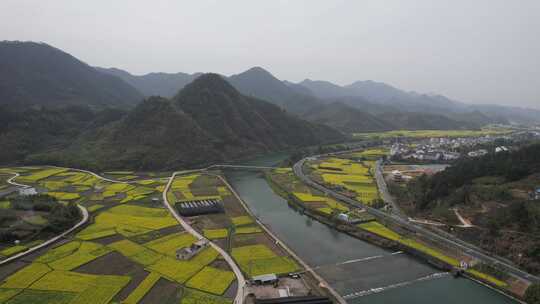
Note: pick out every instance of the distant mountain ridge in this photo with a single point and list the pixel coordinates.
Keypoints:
(368, 96)
(154, 84)
(207, 121)
(36, 74)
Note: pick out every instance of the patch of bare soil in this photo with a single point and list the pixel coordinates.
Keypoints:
(116, 264)
(163, 292)
(220, 264)
(109, 239)
(231, 291)
(155, 234)
(212, 221)
(233, 207)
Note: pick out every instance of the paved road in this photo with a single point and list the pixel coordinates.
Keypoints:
(238, 273)
(383, 190)
(240, 167)
(50, 241)
(404, 222)
(11, 182)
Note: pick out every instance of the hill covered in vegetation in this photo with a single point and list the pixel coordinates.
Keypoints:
(493, 194)
(38, 74)
(206, 122)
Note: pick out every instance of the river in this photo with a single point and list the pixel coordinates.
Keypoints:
(354, 267)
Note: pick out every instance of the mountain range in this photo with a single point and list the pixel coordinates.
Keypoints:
(57, 109)
(207, 121)
(376, 98)
(38, 74)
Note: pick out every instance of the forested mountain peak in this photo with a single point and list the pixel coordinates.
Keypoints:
(209, 83)
(34, 73)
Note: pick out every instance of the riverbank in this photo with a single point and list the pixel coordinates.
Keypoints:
(353, 231)
(336, 297)
(353, 266)
(421, 249)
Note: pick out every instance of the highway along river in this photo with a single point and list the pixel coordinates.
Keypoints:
(359, 271)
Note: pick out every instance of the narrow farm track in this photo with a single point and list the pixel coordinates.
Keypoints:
(84, 213)
(465, 223)
(11, 182)
(237, 272)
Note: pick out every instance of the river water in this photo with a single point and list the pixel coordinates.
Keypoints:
(358, 270)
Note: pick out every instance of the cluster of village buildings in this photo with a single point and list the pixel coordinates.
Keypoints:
(443, 148)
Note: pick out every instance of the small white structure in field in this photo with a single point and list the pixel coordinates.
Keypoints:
(187, 253)
(397, 175)
(265, 279)
(343, 217)
(27, 191)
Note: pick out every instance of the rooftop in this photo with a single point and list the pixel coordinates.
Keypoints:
(265, 277)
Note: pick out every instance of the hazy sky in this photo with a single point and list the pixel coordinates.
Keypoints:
(482, 51)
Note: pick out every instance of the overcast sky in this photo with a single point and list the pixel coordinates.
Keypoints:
(481, 51)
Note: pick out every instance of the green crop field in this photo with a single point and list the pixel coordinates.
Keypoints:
(326, 210)
(182, 184)
(242, 220)
(36, 220)
(40, 174)
(216, 233)
(142, 289)
(95, 207)
(353, 176)
(308, 197)
(248, 230)
(197, 297)
(85, 253)
(170, 243)
(13, 250)
(138, 220)
(259, 259)
(138, 211)
(64, 196)
(41, 296)
(211, 280)
(381, 230)
(136, 252)
(131, 233)
(487, 278)
(179, 271)
(6, 294)
(26, 276)
(432, 133)
(53, 185)
(96, 231)
(5, 205)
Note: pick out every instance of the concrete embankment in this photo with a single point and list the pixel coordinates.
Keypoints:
(322, 282)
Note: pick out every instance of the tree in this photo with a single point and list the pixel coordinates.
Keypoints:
(532, 295)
